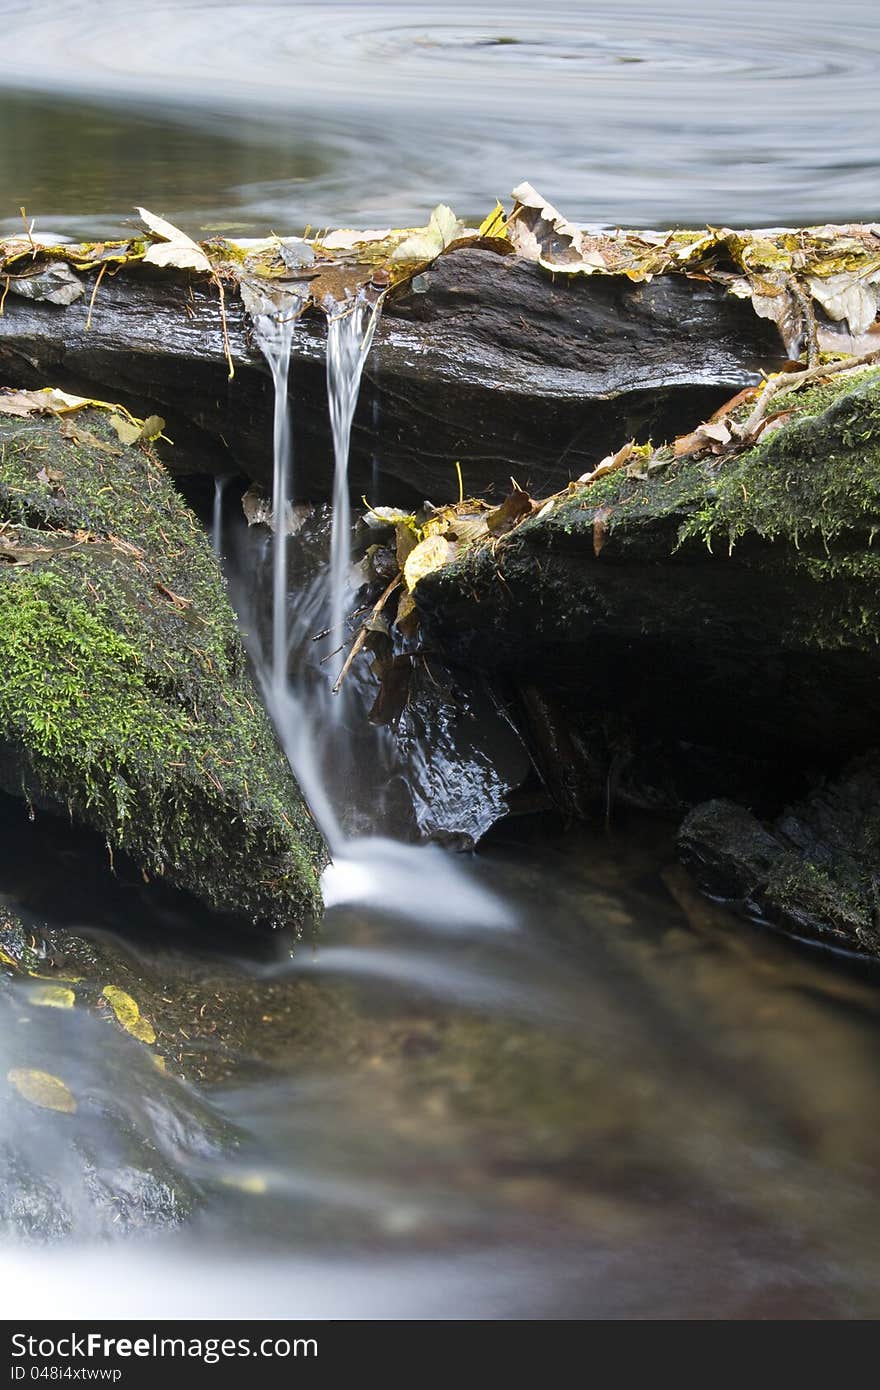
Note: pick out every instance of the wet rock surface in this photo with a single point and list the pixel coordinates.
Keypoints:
(707, 631)
(485, 360)
(126, 700)
(814, 870)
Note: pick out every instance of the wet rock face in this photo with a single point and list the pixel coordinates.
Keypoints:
(721, 641)
(486, 361)
(126, 700)
(815, 869)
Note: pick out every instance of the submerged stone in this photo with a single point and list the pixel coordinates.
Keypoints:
(126, 699)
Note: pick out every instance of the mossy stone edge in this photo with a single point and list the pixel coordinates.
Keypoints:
(126, 699)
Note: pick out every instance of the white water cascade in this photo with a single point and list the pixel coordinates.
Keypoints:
(349, 335)
(369, 868)
(217, 520)
(275, 337)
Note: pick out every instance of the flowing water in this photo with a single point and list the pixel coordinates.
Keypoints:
(266, 116)
(275, 336)
(543, 1079)
(217, 516)
(349, 334)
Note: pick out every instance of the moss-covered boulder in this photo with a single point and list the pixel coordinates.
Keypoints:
(701, 631)
(125, 698)
(721, 610)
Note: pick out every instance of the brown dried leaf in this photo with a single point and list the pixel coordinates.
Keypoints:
(600, 529)
(515, 507)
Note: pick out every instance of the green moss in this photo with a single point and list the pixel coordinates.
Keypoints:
(126, 696)
(816, 478)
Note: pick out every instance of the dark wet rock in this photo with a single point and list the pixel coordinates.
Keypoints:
(486, 361)
(723, 634)
(815, 869)
(126, 701)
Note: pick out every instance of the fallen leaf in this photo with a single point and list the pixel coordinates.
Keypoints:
(537, 229)
(54, 283)
(711, 436)
(176, 248)
(128, 1014)
(152, 428)
(430, 554)
(406, 542)
(495, 225)
(177, 599)
(849, 295)
(52, 996)
(84, 437)
(611, 462)
(129, 431)
(407, 619)
(600, 529)
(748, 393)
(426, 245)
(514, 508)
(43, 1089)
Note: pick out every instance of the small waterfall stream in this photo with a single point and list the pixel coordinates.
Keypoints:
(217, 519)
(349, 335)
(366, 867)
(275, 338)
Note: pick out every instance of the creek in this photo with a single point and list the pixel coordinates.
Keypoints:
(541, 1078)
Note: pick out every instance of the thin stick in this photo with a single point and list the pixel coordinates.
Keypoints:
(5, 293)
(790, 381)
(28, 230)
(327, 630)
(226, 348)
(94, 292)
(361, 638)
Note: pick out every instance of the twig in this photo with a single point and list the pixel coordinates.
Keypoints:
(226, 348)
(5, 293)
(94, 293)
(327, 630)
(361, 638)
(790, 381)
(28, 233)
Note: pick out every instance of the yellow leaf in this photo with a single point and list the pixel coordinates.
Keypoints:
(128, 1014)
(430, 554)
(427, 243)
(495, 224)
(41, 1088)
(52, 996)
(159, 1062)
(246, 1182)
(128, 430)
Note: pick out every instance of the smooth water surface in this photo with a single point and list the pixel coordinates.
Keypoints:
(257, 116)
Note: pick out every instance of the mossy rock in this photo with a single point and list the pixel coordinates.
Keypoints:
(725, 602)
(126, 699)
(814, 870)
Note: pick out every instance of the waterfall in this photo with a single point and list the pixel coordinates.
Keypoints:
(366, 867)
(275, 336)
(349, 335)
(217, 524)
